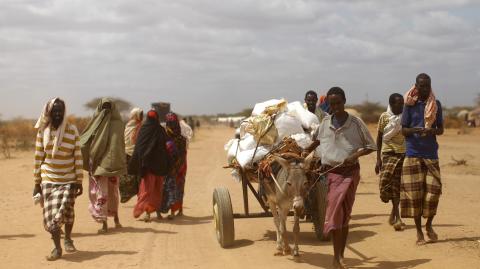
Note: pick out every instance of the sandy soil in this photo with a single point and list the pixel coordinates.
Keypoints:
(189, 242)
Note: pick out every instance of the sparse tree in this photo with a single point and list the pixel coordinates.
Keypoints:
(123, 106)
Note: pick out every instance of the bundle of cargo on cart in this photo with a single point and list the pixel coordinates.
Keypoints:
(276, 150)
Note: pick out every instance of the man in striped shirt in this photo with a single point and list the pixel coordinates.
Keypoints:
(58, 173)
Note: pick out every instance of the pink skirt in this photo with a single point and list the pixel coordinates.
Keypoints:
(149, 195)
(104, 197)
(341, 196)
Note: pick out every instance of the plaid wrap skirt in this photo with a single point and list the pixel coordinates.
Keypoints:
(420, 188)
(390, 176)
(58, 205)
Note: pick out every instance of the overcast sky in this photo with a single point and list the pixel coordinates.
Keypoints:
(208, 56)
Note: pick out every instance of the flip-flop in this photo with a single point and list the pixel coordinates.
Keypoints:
(54, 255)
(69, 247)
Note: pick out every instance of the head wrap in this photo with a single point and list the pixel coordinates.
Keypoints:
(44, 124)
(102, 142)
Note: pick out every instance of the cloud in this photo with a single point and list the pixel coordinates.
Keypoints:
(210, 56)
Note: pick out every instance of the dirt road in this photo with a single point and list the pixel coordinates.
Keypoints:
(189, 242)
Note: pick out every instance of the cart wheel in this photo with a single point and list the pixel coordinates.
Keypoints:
(320, 208)
(223, 217)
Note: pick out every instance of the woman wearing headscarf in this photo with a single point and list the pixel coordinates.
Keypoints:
(129, 183)
(175, 183)
(131, 130)
(151, 161)
(103, 150)
(58, 173)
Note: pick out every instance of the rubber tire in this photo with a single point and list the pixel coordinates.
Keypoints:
(225, 229)
(319, 208)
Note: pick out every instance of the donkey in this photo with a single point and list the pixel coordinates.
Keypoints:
(287, 190)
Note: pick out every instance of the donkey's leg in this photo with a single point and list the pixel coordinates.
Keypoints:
(283, 212)
(296, 231)
(276, 221)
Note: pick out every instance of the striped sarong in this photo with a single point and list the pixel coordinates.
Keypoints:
(390, 175)
(58, 205)
(420, 188)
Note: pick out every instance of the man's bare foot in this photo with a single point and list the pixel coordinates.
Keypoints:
(118, 225)
(171, 217)
(420, 239)
(159, 216)
(432, 236)
(391, 219)
(180, 213)
(339, 264)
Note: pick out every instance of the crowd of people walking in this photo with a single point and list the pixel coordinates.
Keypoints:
(140, 158)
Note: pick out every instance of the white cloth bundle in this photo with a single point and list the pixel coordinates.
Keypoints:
(394, 125)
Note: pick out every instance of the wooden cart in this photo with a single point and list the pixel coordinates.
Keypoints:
(224, 216)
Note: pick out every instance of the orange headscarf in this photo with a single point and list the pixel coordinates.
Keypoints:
(411, 98)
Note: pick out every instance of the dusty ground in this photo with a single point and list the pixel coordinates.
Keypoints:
(189, 242)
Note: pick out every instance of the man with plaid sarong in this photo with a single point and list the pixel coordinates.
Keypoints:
(390, 158)
(421, 184)
(58, 173)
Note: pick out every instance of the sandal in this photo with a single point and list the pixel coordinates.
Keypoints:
(69, 247)
(54, 255)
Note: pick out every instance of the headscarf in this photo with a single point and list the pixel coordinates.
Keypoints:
(131, 130)
(102, 142)
(174, 131)
(44, 125)
(150, 153)
(323, 103)
(411, 98)
(394, 125)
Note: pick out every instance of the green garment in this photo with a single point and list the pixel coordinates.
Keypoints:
(103, 144)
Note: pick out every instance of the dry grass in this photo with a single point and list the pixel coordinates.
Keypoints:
(19, 134)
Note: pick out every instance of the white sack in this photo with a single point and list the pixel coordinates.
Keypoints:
(287, 125)
(303, 140)
(260, 107)
(307, 118)
(245, 157)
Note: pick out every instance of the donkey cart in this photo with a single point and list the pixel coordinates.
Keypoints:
(315, 203)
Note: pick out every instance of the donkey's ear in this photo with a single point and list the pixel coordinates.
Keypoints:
(308, 160)
(284, 163)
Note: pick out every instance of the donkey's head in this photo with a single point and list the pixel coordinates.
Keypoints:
(296, 179)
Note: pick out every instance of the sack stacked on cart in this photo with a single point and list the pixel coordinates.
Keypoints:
(270, 123)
